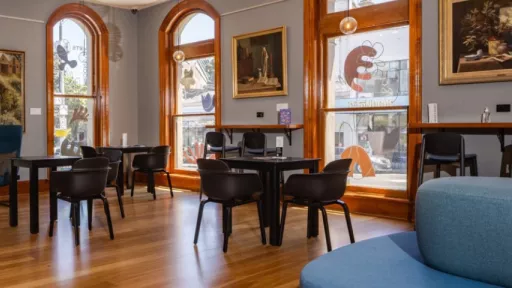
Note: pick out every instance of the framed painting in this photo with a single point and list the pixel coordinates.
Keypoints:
(260, 64)
(475, 41)
(12, 88)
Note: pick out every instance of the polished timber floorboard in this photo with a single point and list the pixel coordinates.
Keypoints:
(153, 246)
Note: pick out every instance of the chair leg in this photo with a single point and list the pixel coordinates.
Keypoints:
(437, 173)
(120, 200)
(199, 219)
(109, 220)
(76, 212)
(133, 182)
(228, 228)
(151, 184)
(326, 228)
(262, 226)
(349, 222)
(170, 183)
(200, 192)
(89, 213)
(283, 221)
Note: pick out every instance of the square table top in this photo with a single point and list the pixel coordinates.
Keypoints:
(128, 149)
(45, 161)
(288, 163)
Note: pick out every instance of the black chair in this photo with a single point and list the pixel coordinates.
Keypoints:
(89, 152)
(229, 189)
(317, 191)
(114, 157)
(151, 163)
(506, 162)
(255, 143)
(445, 149)
(215, 142)
(85, 182)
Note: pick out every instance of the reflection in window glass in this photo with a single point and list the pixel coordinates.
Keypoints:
(196, 27)
(72, 65)
(196, 86)
(190, 132)
(376, 141)
(73, 125)
(342, 5)
(369, 69)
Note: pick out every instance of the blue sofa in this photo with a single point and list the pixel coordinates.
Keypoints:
(463, 238)
(10, 141)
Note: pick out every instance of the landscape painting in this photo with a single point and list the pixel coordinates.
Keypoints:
(260, 64)
(12, 88)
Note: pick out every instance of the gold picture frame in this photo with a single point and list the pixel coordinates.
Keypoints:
(467, 58)
(260, 64)
(12, 87)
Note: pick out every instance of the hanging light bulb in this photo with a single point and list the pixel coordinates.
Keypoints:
(349, 24)
(179, 56)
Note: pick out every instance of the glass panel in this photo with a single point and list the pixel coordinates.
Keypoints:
(72, 58)
(342, 5)
(73, 125)
(377, 143)
(196, 86)
(190, 132)
(369, 69)
(196, 27)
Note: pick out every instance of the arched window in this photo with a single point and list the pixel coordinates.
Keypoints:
(77, 80)
(190, 90)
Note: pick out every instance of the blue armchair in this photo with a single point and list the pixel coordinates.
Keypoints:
(10, 141)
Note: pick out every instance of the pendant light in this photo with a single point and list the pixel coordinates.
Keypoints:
(178, 55)
(349, 24)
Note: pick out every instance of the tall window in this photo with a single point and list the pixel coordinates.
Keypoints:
(190, 90)
(77, 84)
(366, 93)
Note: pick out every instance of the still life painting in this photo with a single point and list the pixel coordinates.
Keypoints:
(475, 41)
(260, 64)
(12, 88)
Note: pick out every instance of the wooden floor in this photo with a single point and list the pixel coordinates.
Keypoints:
(154, 246)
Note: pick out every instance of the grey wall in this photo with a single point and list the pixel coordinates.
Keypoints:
(239, 111)
(31, 38)
(462, 103)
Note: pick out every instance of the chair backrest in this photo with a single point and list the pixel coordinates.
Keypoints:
(88, 152)
(254, 140)
(87, 178)
(214, 139)
(209, 165)
(10, 139)
(321, 187)
(342, 165)
(113, 155)
(443, 144)
(164, 151)
(98, 163)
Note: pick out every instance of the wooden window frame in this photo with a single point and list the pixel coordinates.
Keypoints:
(168, 68)
(100, 71)
(318, 27)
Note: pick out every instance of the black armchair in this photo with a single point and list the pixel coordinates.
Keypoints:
(89, 152)
(85, 182)
(230, 190)
(215, 142)
(317, 191)
(114, 157)
(151, 163)
(255, 143)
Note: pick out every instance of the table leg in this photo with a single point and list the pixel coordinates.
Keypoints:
(274, 207)
(120, 175)
(34, 200)
(313, 212)
(13, 196)
(53, 200)
(266, 197)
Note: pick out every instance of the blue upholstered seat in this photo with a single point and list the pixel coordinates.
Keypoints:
(389, 261)
(10, 141)
(227, 149)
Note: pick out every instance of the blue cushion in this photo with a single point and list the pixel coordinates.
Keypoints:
(464, 227)
(390, 261)
(227, 148)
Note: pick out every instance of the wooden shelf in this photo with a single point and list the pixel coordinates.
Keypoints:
(288, 129)
(503, 125)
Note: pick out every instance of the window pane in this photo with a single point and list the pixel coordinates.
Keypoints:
(375, 141)
(73, 125)
(369, 69)
(342, 5)
(196, 27)
(196, 86)
(190, 132)
(72, 58)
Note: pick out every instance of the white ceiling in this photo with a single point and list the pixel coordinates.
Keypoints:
(128, 4)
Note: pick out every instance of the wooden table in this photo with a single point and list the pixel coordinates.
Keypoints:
(33, 164)
(125, 150)
(273, 168)
(288, 129)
